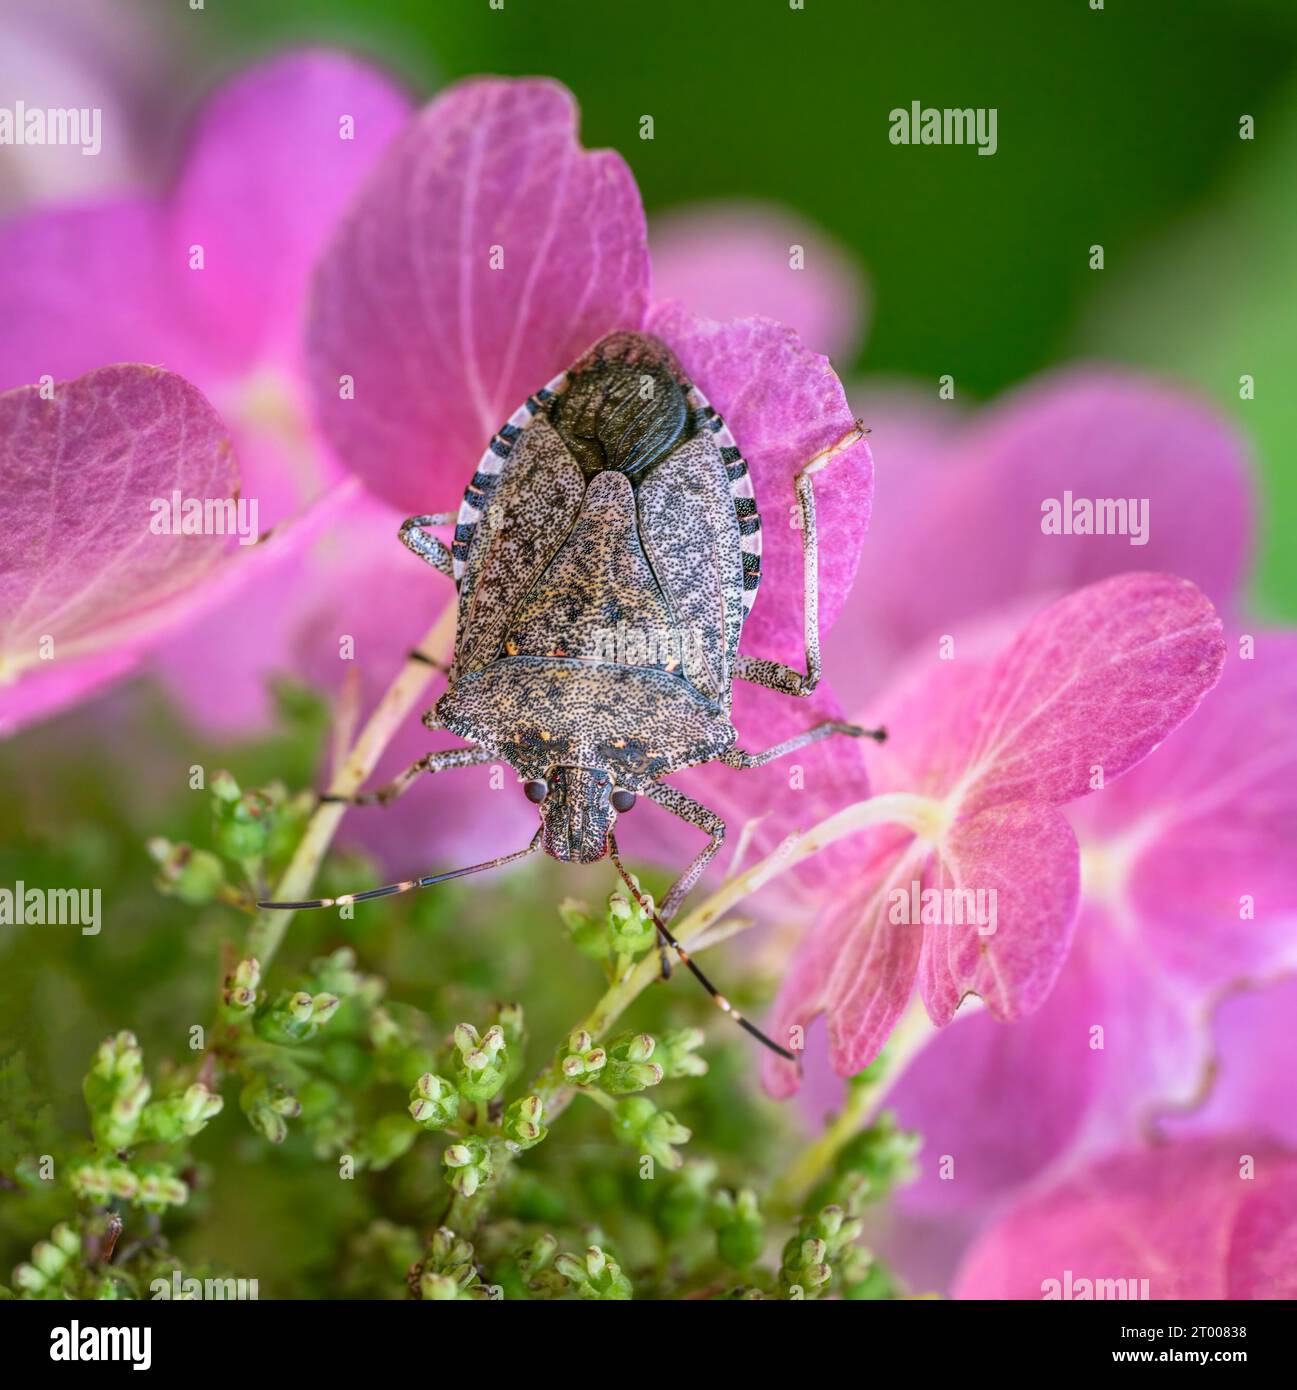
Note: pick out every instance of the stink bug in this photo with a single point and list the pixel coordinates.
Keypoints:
(606, 553)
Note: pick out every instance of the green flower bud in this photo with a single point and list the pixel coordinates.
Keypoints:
(434, 1102)
(883, 1155)
(160, 1187)
(581, 1060)
(523, 1125)
(538, 1257)
(116, 1091)
(638, 1123)
(589, 935)
(240, 993)
(28, 1278)
(596, 1276)
(225, 789)
(297, 1016)
(268, 1105)
(468, 1165)
(447, 1271)
(630, 929)
(511, 1022)
(192, 875)
(628, 1068)
(181, 1116)
(241, 821)
(740, 1237)
(482, 1063)
(677, 1053)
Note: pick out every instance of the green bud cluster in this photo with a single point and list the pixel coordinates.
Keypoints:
(678, 1053)
(241, 820)
(269, 1105)
(580, 1060)
(482, 1062)
(116, 1091)
(628, 1067)
(180, 1116)
(740, 1231)
(523, 1123)
(434, 1102)
(469, 1165)
(820, 1242)
(447, 1272)
(53, 1265)
(631, 932)
(595, 1275)
(239, 995)
(296, 1016)
(152, 1186)
(195, 876)
(638, 1123)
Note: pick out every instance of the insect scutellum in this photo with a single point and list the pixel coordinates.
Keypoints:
(606, 554)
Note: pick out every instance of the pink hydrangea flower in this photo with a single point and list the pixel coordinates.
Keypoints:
(1189, 902)
(98, 579)
(485, 252)
(1170, 853)
(983, 752)
(1214, 1220)
(273, 158)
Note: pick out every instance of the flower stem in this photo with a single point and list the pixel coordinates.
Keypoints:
(907, 1040)
(267, 932)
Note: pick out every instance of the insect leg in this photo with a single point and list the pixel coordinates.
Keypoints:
(774, 675)
(738, 757)
(428, 547)
(407, 885)
(432, 762)
(688, 961)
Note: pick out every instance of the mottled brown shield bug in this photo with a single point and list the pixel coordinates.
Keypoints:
(606, 553)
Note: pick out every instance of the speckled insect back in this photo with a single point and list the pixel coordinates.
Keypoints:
(607, 552)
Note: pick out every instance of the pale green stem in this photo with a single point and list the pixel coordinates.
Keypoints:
(907, 1040)
(403, 695)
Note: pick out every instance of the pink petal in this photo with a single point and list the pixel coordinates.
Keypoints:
(1011, 952)
(732, 260)
(1200, 838)
(1114, 1042)
(783, 405)
(95, 288)
(856, 966)
(1181, 1217)
(271, 166)
(1095, 682)
(441, 346)
(81, 472)
(975, 499)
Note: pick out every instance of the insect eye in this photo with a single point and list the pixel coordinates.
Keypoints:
(623, 799)
(535, 791)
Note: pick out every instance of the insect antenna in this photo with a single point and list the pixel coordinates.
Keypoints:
(687, 960)
(409, 884)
